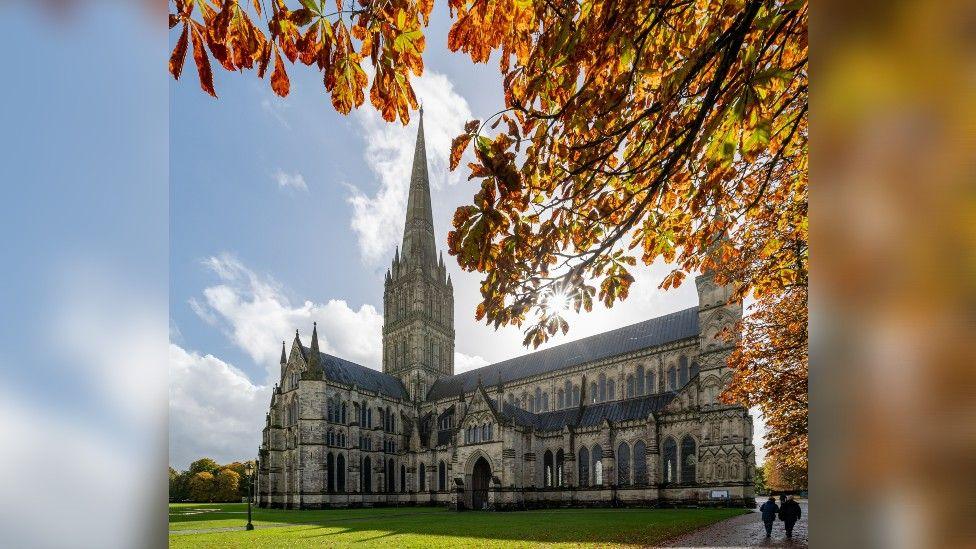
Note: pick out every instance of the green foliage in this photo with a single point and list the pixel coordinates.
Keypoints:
(201, 487)
(759, 477)
(228, 483)
(204, 465)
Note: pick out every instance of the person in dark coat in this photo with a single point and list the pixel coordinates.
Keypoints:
(769, 510)
(790, 513)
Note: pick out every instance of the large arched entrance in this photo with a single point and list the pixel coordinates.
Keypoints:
(480, 480)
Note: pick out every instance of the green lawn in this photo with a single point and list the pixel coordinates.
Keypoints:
(423, 527)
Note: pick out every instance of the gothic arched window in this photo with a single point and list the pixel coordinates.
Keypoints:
(369, 417)
(560, 477)
(623, 464)
(330, 472)
(441, 476)
(611, 390)
(484, 432)
(390, 480)
(403, 478)
(538, 399)
(603, 388)
(568, 387)
(672, 379)
(593, 391)
(682, 371)
(342, 419)
(547, 472)
(423, 478)
(630, 386)
(640, 463)
(584, 467)
(597, 457)
(367, 474)
(651, 385)
(689, 459)
(640, 380)
(694, 368)
(669, 457)
(545, 402)
(560, 399)
(341, 473)
(576, 395)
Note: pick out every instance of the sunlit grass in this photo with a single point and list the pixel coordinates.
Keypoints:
(434, 527)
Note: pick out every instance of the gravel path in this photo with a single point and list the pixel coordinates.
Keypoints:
(745, 531)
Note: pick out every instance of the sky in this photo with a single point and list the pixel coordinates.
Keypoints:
(284, 213)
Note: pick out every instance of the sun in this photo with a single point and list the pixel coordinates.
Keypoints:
(557, 303)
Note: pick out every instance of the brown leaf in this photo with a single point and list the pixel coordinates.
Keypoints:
(203, 63)
(257, 7)
(457, 148)
(178, 58)
(264, 60)
(279, 78)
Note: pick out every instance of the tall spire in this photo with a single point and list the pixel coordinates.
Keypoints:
(418, 230)
(284, 357)
(314, 361)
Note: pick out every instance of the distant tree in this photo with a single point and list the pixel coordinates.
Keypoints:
(759, 478)
(227, 485)
(783, 477)
(241, 469)
(178, 485)
(204, 465)
(201, 487)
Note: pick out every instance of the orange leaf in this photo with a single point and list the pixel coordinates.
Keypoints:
(257, 7)
(457, 148)
(203, 63)
(279, 78)
(177, 59)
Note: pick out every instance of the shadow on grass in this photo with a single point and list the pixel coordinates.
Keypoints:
(594, 526)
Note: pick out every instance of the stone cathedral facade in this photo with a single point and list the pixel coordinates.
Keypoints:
(626, 417)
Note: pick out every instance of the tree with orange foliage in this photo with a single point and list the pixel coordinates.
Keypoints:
(632, 130)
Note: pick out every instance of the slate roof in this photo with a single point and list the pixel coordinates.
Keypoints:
(649, 333)
(341, 370)
(593, 414)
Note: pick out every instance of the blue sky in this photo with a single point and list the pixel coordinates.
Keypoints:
(283, 212)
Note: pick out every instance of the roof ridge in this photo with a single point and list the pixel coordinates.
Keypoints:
(552, 350)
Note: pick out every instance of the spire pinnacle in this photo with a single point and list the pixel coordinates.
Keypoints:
(418, 230)
(314, 361)
(284, 358)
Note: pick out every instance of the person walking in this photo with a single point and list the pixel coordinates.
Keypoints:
(769, 510)
(790, 513)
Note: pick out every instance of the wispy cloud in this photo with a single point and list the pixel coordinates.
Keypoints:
(378, 217)
(255, 313)
(463, 363)
(214, 409)
(276, 107)
(290, 180)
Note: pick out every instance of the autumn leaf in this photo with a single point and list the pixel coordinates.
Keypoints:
(279, 78)
(203, 63)
(178, 58)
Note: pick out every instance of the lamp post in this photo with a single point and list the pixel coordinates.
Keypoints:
(249, 468)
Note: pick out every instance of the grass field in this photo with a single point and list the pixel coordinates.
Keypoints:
(422, 527)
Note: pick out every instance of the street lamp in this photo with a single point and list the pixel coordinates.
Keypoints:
(249, 469)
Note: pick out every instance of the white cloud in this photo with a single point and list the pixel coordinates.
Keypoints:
(378, 218)
(276, 107)
(214, 409)
(257, 315)
(290, 180)
(463, 362)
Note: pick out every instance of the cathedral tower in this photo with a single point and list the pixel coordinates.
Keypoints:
(418, 299)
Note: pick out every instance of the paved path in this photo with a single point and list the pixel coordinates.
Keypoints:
(745, 531)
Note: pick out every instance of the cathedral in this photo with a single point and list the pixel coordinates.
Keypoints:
(628, 417)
